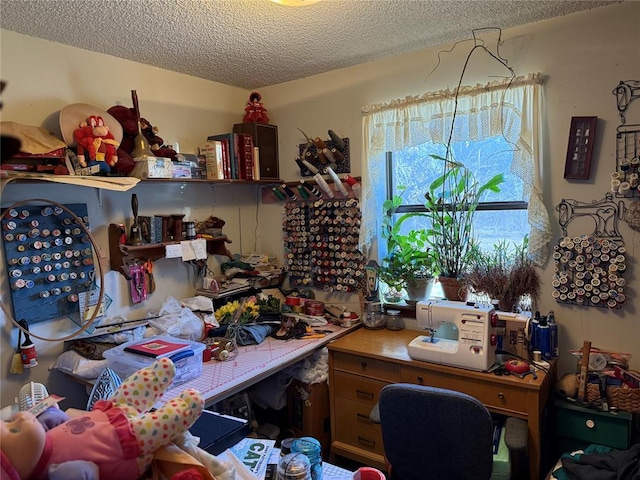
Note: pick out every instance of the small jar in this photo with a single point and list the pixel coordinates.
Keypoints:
(346, 319)
(394, 320)
(312, 449)
(374, 317)
(294, 466)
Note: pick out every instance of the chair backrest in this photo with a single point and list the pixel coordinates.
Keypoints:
(433, 433)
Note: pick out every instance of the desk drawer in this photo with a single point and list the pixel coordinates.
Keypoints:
(353, 426)
(590, 426)
(495, 395)
(357, 388)
(369, 367)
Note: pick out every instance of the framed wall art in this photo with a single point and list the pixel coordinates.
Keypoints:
(581, 139)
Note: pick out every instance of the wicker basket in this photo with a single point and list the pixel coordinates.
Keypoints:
(626, 399)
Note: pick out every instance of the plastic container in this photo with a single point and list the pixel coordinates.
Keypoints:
(188, 362)
(368, 473)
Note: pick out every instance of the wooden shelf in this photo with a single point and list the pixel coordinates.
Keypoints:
(215, 182)
(102, 182)
(121, 256)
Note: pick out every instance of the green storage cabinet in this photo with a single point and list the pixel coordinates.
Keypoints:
(577, 427)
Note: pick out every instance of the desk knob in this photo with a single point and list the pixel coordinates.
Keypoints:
(590, 424)
(501, 396)
(420, 380)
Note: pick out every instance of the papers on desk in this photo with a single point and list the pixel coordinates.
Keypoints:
(253, 454)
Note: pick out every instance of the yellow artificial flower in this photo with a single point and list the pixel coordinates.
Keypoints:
(250, 311)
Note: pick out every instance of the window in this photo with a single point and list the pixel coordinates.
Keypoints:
(492, 128)
(500, 216)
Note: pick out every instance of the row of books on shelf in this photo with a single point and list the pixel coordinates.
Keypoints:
(231, 156)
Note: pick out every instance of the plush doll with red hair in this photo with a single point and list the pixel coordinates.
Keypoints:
(96, 144)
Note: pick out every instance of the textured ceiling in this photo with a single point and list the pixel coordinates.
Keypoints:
(255, 43)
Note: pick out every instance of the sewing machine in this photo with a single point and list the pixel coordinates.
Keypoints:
(459, 335)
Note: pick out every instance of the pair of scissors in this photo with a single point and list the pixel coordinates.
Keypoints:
(148, 267)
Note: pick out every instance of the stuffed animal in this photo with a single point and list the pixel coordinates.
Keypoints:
(96, 142)
(127, 118)
(116, 439)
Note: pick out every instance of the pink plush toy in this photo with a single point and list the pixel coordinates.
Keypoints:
(116, 440)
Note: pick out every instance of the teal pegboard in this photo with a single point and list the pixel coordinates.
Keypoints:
(49, 260)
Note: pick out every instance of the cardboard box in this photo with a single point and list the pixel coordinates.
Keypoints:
(152, 167)
(513, 329)
(308, 412)
(181, 169)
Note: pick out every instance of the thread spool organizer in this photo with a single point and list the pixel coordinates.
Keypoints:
(589, 268)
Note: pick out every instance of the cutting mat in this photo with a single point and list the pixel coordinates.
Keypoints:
(252, 364)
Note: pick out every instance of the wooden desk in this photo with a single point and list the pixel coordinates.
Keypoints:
(220, 380)
(363, 362)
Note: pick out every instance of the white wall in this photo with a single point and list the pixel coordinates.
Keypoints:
(584, 55)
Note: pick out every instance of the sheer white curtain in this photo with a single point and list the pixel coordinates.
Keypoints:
(482, 111)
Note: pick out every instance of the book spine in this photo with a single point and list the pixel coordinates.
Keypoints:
(256, 163)
(246, 156)
(226, 160)
(213, 154)
(235, 159)
(220, 160)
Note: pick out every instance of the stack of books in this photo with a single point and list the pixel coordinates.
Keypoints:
(231, 156)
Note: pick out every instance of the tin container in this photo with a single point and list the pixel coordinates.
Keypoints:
(314, 308)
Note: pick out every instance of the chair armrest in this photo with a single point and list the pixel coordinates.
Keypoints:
(516, 434)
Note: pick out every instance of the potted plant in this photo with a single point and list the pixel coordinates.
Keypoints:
(408, 264)
(451, 203)
(504, 273)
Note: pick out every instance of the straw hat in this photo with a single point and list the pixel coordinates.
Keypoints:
(73, 115)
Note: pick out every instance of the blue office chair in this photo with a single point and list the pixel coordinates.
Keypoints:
(433, 433)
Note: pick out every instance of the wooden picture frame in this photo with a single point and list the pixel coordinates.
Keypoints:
(582, 136)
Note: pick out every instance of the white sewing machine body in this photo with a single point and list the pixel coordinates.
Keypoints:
(475, 347)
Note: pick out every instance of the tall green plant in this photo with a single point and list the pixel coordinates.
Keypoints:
(452, 201)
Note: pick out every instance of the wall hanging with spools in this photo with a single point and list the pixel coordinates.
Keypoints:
(590, 267)
(321, 244)
(49, 259)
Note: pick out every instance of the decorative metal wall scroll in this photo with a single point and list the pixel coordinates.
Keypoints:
(321, 244)
(624, 180)
(589, 268)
